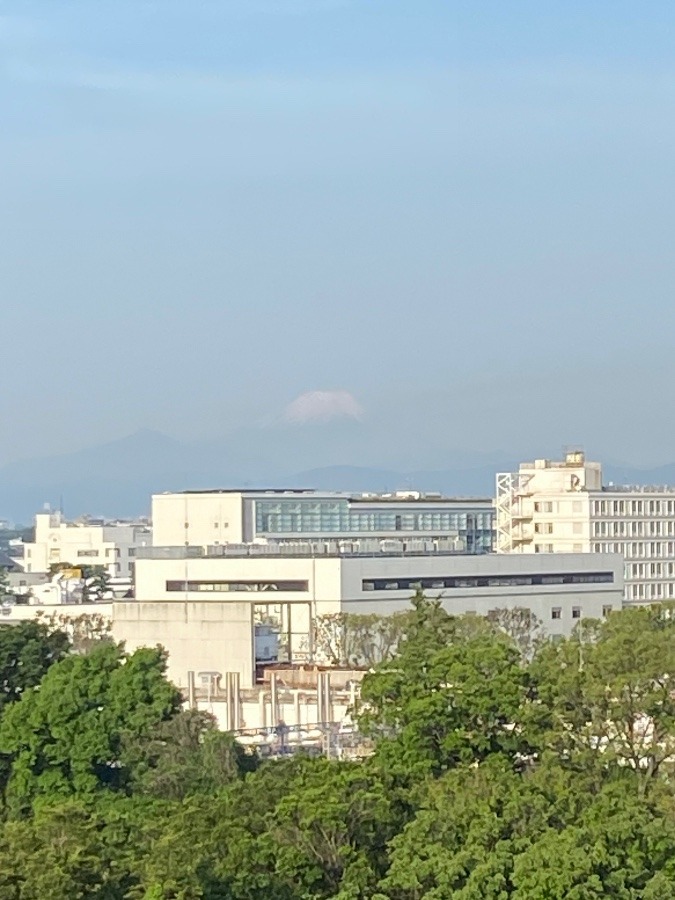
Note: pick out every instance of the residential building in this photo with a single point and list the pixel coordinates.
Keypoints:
(563, 507)
(211, 518)
(87, 542)
(203, 604)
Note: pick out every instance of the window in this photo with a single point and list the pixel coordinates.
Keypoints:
(576, 612)
(87, 552)
(543, 528)
(237, 586)
(556, 612)
(606, 610)
(483, 581)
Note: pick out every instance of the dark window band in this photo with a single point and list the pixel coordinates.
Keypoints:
(444, 583)
(236, 586)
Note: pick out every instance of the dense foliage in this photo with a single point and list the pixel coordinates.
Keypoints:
(504, 767)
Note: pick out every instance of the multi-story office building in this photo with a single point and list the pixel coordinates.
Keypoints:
(553, 507)
(87, 542)
(202, 605)
(211, 518)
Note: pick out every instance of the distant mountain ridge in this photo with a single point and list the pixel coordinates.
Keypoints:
(117, 478)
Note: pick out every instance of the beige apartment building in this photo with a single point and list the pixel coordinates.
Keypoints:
(87, 542)
(550, 506)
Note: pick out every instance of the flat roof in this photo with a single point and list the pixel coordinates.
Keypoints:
(355, 497)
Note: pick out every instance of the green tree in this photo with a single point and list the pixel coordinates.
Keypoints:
(27, 651)
(619, 847)
(95, 584)
(331, 830)
(64, 851)
(85, 631)
(522, 626)
(606, 695)
(67, 736)
(350, 639)
(185, 755)
(454, 694)
(489, 833)
(462, 841)
(221, 846)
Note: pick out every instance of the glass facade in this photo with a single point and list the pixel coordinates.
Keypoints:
(335, 517)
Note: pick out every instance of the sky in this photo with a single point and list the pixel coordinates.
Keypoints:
(452, 212)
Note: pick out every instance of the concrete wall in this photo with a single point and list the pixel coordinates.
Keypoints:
(25, 613)
(323, 577)
(210, 636)
(197, 519)
(592, 599)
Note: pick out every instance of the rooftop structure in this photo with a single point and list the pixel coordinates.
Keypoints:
(207, 518)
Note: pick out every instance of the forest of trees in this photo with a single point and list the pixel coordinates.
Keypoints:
(502, 768)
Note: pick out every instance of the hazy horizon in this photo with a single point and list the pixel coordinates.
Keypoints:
(444, 220)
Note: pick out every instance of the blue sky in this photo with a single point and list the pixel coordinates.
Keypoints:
(460, 212)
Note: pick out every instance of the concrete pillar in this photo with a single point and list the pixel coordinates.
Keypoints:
(274, 699)
(236, 702)
(192, 698)
(319, 697)
(228, 703)
(327, 699)
(262, 709)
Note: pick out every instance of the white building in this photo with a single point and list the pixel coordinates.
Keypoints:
(563, 507)
(202, 607)
(212, 518)
(84, 543)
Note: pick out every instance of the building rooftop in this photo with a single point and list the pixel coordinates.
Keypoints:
(304, 549)
(638, 489)
(408, 496)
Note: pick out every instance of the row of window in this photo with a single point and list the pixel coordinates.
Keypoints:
(110, 551)
(658, 528)
(556, 612)
(650, 570)
(548, 548)
(638, 549)
(237, 586)
(316, 517)
(639, 507)
(654, 591)
(413, 584)
(548, 506)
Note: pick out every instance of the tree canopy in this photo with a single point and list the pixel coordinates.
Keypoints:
(503, 767)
